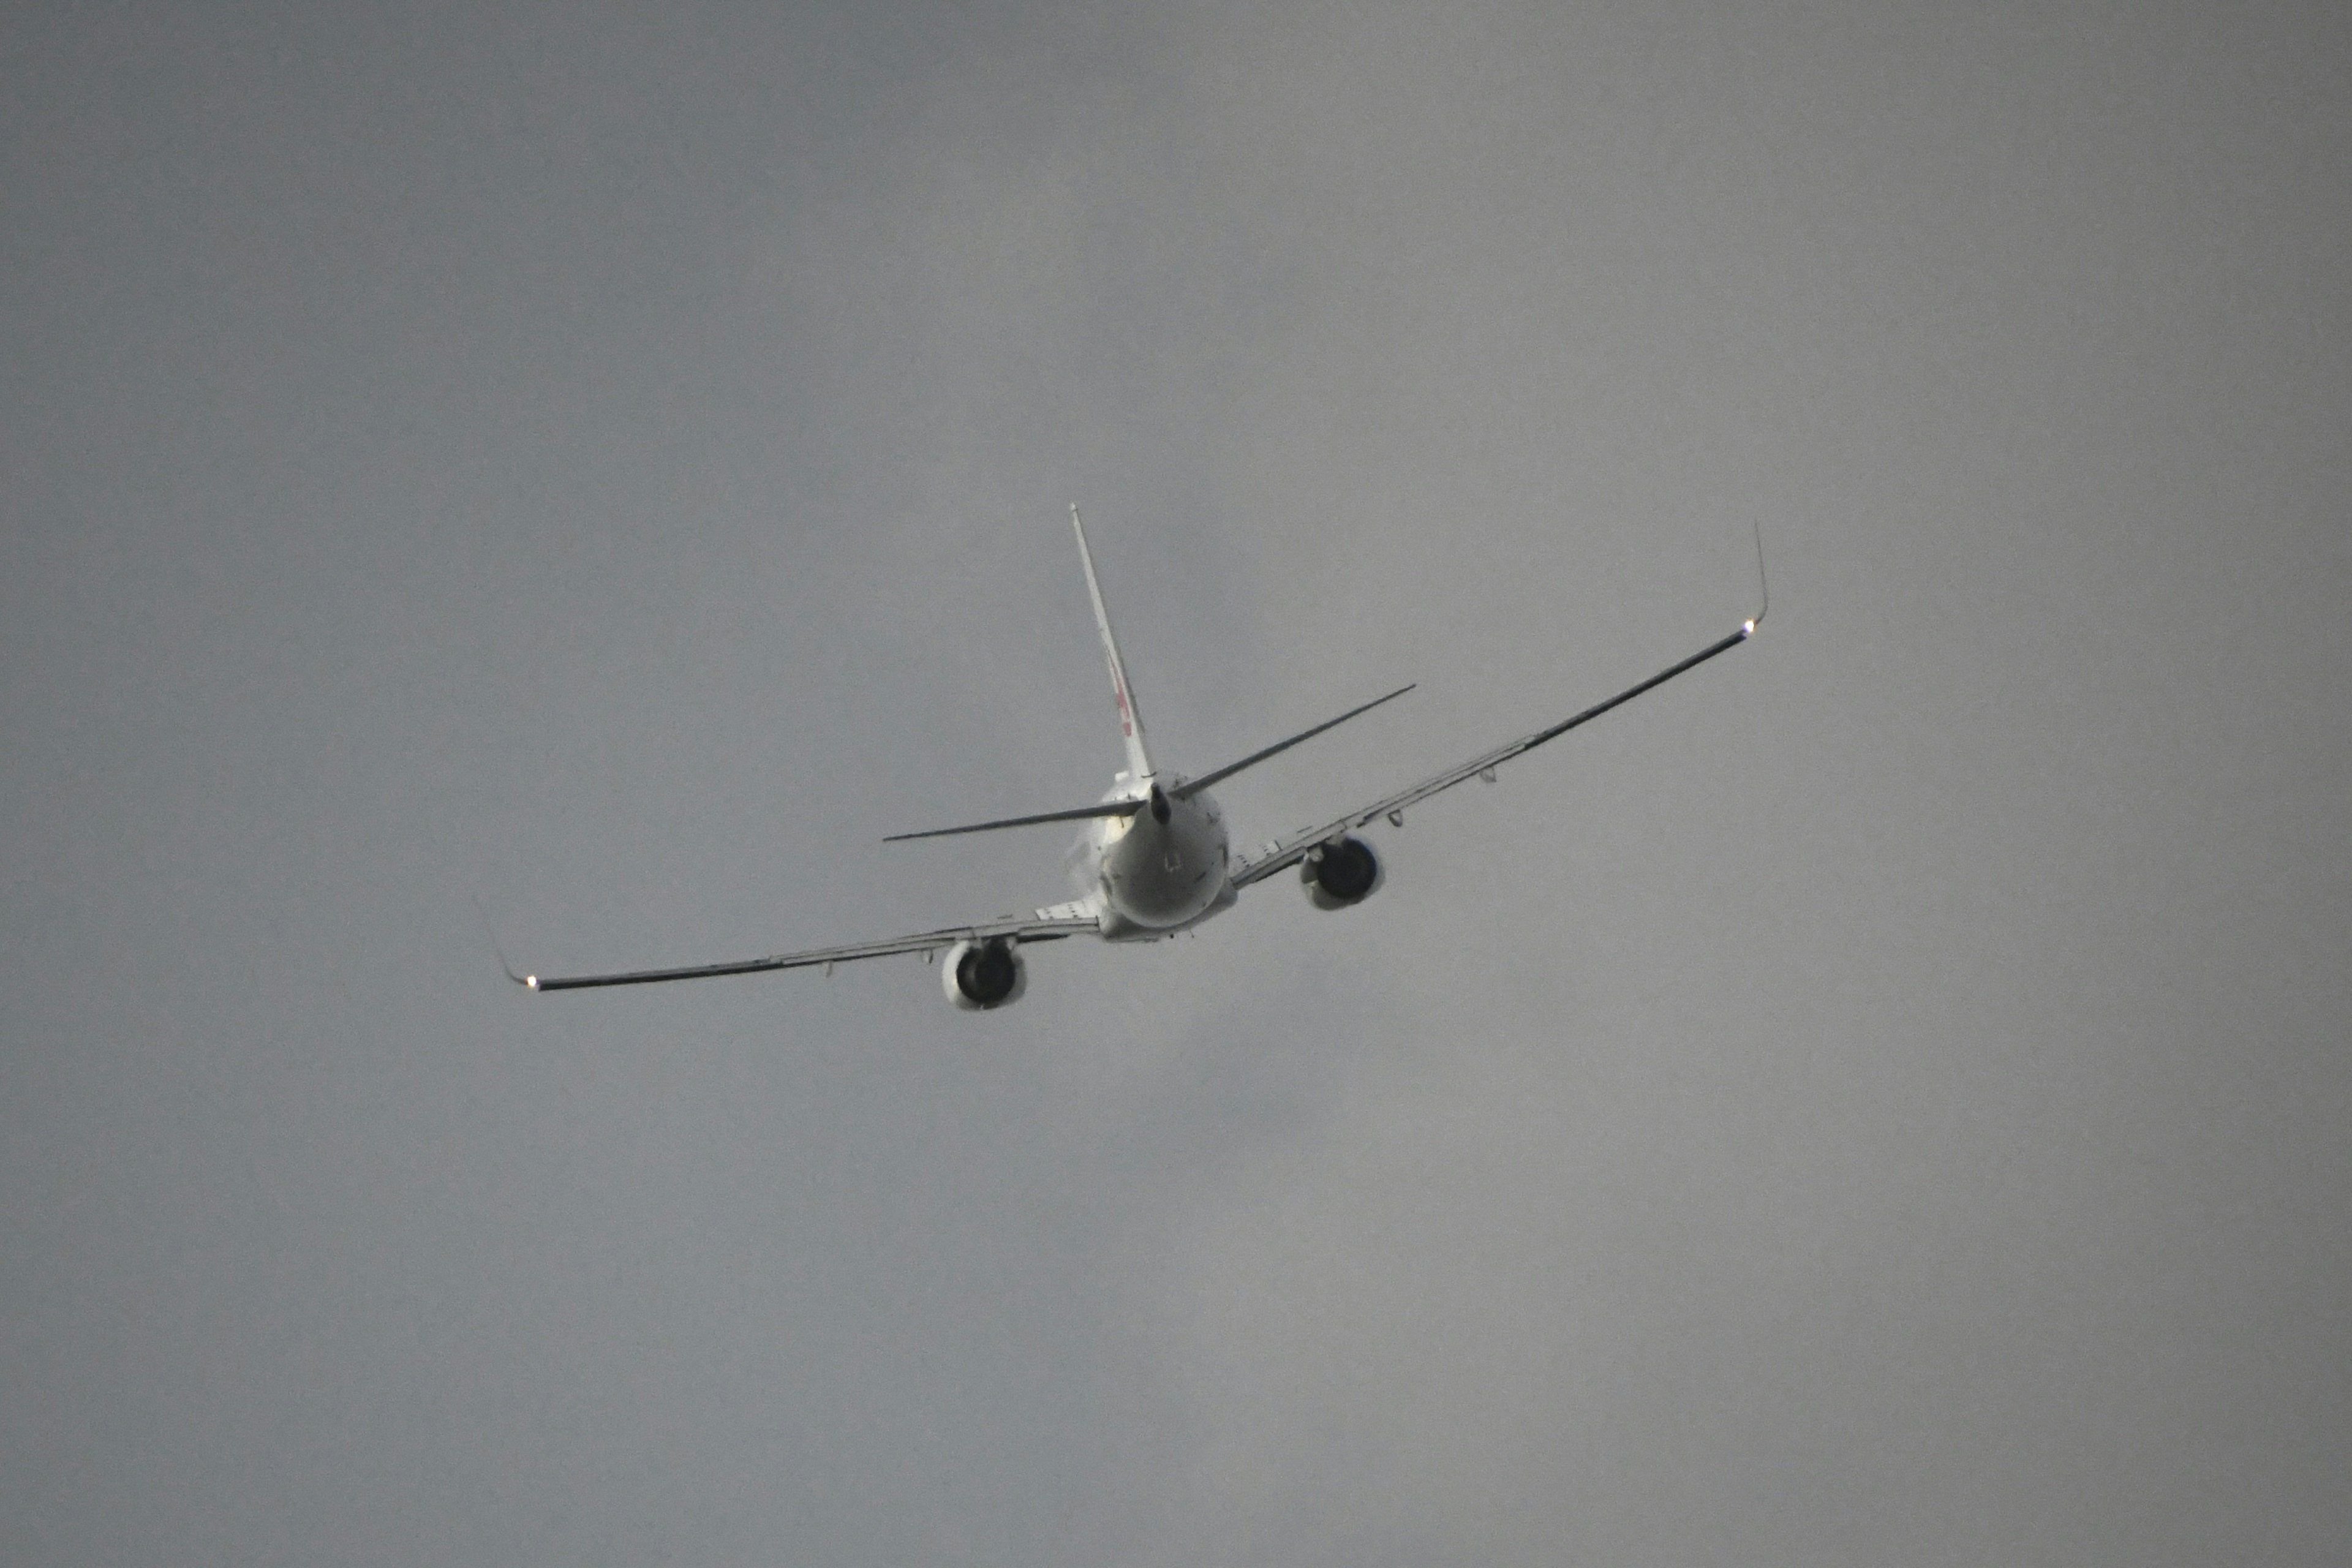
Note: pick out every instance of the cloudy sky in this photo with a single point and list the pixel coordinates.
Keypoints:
(1879, 1098)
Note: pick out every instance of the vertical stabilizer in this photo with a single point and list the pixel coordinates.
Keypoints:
(1130, 722)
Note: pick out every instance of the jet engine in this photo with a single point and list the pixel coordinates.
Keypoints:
(1338, 875)
(980, 975)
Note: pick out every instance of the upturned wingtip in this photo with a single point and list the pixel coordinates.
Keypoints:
(1763, 585)
(527, 981)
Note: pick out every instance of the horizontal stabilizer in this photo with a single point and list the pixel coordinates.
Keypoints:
(1077, 814)
(1191, 787)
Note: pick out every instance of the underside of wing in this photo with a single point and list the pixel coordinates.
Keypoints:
(1040, 927)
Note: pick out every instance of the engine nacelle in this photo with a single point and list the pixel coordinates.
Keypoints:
(982, 975)
(1337, 875)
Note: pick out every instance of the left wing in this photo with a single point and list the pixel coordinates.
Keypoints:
(1286, 852)
(1041, 926)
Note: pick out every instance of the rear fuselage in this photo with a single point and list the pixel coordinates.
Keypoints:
(1161, 869)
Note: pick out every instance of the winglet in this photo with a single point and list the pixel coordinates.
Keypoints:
(527, 981)
(1763, 586)
(1130, 722)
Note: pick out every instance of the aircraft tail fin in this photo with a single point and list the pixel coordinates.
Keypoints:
(1130, 722)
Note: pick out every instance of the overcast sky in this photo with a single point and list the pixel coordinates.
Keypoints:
(1882, 1098)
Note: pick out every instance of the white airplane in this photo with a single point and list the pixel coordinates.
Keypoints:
(1154, 859)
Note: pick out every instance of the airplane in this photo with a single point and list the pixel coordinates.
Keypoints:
(1154, 859)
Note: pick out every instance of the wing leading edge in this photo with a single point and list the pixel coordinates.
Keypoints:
(1034, 927)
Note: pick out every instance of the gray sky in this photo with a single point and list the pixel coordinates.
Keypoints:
(1882, 1098)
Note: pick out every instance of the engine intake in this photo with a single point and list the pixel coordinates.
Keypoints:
(1337, 875)
(978, 977)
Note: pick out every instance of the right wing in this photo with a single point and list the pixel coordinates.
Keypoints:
(1043, 926)
(1286, 852)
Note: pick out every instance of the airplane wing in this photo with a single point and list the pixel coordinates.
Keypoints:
(1041, 926)
(1286, 852)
